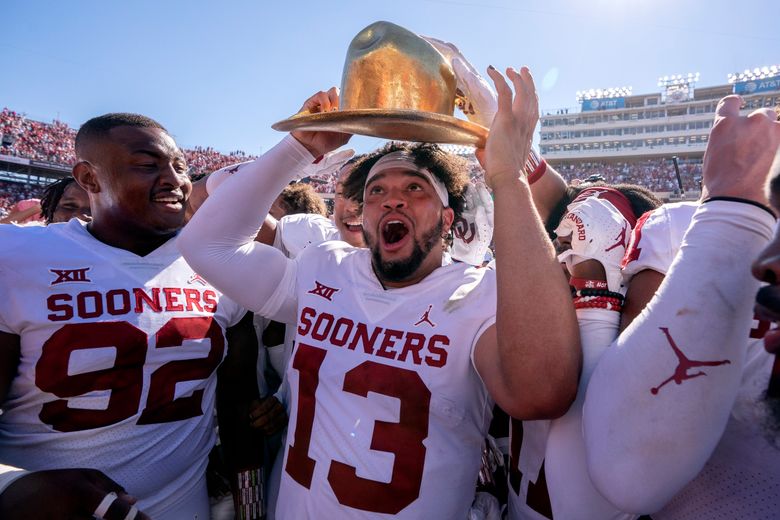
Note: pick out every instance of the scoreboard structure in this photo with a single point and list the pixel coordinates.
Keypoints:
(615, 125)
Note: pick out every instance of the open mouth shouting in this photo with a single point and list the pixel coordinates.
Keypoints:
(394, 234)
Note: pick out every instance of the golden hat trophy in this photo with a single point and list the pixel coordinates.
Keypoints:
(395, 85)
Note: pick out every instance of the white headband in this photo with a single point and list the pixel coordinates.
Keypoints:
(405, 160)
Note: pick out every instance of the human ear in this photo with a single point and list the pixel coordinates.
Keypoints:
(84, 173)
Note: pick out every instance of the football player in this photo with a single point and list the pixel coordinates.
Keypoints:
(64, 199)
(110, 342)
(398, 358)
(548, 475)
(675, 414)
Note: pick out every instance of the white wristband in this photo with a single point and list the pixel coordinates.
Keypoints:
(8, 475)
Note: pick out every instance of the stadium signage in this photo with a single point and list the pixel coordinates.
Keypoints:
(589, 105)
(13, 159)
(757, 85)
(50, 166)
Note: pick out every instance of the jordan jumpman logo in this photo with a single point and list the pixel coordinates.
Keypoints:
(684, 365)
(426, 318)
(620, 239)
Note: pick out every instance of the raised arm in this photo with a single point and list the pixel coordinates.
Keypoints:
(530, 360)
(219, 241)
(660, 398)
(479, 103)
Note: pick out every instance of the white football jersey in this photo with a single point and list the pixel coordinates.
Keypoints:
(528, 496)
(388, 413)
(296, 232)
(656, 238)
(118, 363)
(740, 480)
(548, 475)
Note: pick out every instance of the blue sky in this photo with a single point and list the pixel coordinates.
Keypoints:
(220, 74)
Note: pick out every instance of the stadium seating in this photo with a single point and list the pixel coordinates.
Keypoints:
(53, 143)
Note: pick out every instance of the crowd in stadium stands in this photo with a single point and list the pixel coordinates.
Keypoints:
(12, 192)
(53, 142)
(23, 137)
(206, 160)
(322, 184)
(657, 175)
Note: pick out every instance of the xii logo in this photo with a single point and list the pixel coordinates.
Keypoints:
(324, 291)
(70, 275)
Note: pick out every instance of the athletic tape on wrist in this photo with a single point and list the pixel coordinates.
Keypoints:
(535, 167)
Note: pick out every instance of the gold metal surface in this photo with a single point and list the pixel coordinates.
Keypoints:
(395, 85)
(402, 125)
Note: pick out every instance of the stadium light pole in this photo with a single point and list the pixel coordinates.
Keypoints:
(757, 73)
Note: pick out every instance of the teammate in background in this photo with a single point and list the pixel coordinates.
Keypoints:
(676, 416)
(548, 474)
(634, 200)
(347, 377)
(593, 205)
(655, 241)
(297, 198)
(110, 342)
(63, 200)
(347, 212)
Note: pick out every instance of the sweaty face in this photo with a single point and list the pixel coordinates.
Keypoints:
(403, 220)
(73, 203)
(143, 181)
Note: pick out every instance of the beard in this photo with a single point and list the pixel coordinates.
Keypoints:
(401, 270)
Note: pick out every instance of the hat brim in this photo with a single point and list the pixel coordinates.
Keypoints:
(403, 125)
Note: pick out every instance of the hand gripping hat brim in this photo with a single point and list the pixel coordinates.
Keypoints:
(395, 85)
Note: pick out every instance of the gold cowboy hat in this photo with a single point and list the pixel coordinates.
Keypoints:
(395, 85)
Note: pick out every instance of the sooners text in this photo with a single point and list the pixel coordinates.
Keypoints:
(387, 343)
(117, 302)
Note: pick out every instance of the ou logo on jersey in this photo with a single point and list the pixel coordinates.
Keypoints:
(464, 230)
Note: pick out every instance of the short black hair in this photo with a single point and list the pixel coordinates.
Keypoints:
(51, 197)
(450, 169)
(641, 199)
(100, 126)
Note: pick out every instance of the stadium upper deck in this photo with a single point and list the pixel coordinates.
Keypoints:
(614, 125)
